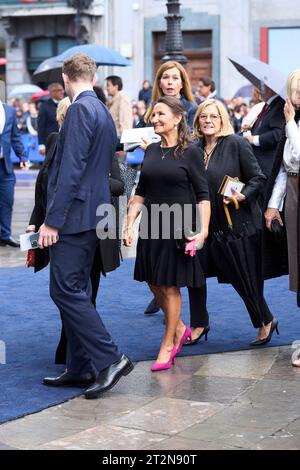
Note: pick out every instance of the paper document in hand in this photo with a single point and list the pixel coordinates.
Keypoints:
(28, 241)
(237, 185)
(228, 184)
(131, 136)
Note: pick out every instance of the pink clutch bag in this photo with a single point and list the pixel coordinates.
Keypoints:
(190, 248)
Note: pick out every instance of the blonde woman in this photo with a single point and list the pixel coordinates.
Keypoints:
(284, 183)
(227, 154)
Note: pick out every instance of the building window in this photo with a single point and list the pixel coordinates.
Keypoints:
(197, 48)
(277, 48)
(39, 49)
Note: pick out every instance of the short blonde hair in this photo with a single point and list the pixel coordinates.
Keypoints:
(80, 67)
(226, 126)
(291, 85)
(61, 110)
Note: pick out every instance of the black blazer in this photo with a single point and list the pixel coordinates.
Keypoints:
(47, 122)
(233, 156)
(40, 200)
(269, 129)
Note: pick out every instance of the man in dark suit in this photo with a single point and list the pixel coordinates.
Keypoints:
(78, 183)
(47, 122)
(267, 130)
(10, 137)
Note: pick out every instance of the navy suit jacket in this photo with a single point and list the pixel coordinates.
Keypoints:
(47, 122)
(78, 177)
(11, 137)
(269, 128)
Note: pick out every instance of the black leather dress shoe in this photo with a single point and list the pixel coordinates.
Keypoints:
(260, 342)
(153, 307)
(69, 380)
(10, 242)
(108, 378)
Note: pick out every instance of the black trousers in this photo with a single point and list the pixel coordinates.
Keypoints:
(199, 315)
(198, 310)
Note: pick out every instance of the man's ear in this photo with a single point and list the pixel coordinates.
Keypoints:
(94, 80)
(65, 78)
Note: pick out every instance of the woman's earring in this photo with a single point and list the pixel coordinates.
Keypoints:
(175, 126)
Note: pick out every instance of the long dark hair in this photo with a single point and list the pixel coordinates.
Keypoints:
(177, 109)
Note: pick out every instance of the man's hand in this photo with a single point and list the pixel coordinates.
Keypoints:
(270, 215)
(128, 236)
(42, 151)
(249, 137)
(48, 236)
(24, 165)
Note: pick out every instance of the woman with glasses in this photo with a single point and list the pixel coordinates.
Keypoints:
(227, 154)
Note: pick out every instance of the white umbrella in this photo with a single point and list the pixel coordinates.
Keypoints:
(259, 73)
(27, 89)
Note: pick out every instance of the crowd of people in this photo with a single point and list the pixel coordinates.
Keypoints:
(206, 141)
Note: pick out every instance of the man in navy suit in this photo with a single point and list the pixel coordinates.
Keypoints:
(9, 137)
(78, 183)
(47, 122)
(267, 130)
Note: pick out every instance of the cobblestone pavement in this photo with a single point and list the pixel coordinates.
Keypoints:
(240, 400)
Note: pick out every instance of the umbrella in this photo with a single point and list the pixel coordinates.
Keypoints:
(259, 73)
(51, 69)
(236, 260)
(245, 92)
(25, 90)
(41, 95)
(101, 55)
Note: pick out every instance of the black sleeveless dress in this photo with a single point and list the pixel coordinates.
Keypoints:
(167, 181)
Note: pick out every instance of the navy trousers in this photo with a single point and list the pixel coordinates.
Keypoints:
(90, 347)
(7, 187)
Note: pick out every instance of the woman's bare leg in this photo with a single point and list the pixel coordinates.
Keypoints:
(170, 301)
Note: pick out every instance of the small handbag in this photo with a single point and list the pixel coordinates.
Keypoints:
(30, 261)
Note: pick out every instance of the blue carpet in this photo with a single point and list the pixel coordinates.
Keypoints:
(30, 328)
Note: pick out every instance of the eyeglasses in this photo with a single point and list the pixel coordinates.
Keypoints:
(212, 117)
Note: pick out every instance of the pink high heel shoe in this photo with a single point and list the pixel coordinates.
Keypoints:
(165, 365)
(186, 335)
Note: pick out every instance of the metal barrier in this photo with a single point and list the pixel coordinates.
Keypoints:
(31, 145)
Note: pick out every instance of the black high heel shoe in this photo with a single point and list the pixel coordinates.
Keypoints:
(260, 342)
(196, 340)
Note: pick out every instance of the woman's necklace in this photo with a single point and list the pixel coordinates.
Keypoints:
(164, 154)
(207, 155)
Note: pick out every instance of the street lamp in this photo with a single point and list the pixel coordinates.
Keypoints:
(79, 6)
(174, 41)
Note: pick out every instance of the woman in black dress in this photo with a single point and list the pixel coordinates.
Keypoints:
(228, 154)
(172, 174)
